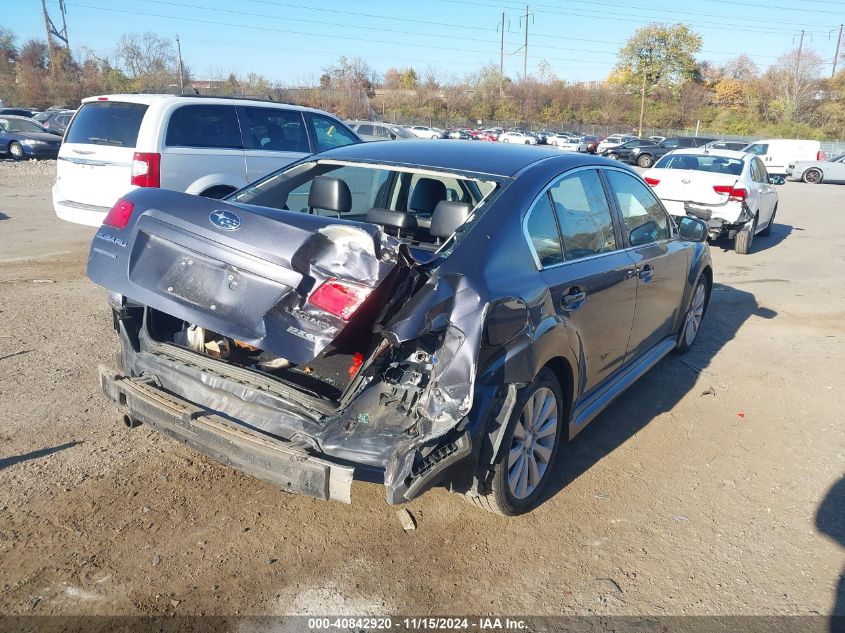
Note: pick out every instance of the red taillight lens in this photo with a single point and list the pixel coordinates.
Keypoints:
(734, 193)
(339, 298)
(119, 215)
(821, 155)
(146, 169)
(652, 181)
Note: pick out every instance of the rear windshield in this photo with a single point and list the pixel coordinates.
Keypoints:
(107, 123)
(713, 164)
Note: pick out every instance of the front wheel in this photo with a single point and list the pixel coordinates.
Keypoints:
(613, 156)
(16, 150)
(812, 176)
(504, 140)
(523, 468)
(695, 315)
(645, 161)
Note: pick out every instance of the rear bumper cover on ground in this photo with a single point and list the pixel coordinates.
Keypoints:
(257, 454)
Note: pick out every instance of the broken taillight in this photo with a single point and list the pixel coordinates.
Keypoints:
(339, 298)
(118, 216)
(737, 194)
(357, 361)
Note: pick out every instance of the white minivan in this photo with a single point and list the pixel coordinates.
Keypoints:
(209, 146)
(778, 153)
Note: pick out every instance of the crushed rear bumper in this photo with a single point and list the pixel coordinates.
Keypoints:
(257, 454)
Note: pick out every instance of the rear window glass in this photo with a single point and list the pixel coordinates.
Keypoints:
(204, 126)
(713, 164)
(107, 123)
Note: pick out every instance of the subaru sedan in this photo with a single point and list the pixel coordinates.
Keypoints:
(414, 314)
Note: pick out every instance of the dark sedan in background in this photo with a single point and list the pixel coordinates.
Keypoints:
(436, 313)
(646, 155)
(24, 138)
(625, 150)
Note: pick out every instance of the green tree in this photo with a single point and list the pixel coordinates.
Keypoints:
(655, 55)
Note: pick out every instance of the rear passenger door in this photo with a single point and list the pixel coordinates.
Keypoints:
(661, 260)
(273, 138)
(590, 277)
(202, 149)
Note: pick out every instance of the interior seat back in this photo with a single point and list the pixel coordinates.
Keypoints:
(447, 217)
(426, 194)
(399, 221)
(331, 194)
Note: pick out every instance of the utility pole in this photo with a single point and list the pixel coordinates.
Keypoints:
(525, 51)
(642, 105)
(502, 58)
(52, 31)
(798, 59)
(181, 74)
(836, 55)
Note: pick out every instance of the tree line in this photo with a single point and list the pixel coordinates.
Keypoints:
(658, 78)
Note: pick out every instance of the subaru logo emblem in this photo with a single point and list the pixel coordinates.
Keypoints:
(225, 220)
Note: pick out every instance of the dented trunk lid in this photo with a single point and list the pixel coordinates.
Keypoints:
(244, 272)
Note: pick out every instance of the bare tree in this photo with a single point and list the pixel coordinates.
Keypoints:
(796, 83)
(741, 68)
(149, 60)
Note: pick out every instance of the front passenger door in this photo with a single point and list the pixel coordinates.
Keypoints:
(661, 261)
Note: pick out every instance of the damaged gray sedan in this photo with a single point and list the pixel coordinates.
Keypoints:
(409, 313)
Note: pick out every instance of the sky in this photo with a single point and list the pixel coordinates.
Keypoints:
(292, 41)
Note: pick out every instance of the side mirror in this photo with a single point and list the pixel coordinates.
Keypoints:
(692, 229)
(777, 180)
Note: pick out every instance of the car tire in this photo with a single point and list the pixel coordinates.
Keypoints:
(613, 156)
(507, 489)
(812, 176)
(16, 150)
(645, 161)
(745, 238)
(504, 140)
(768, 230)
(695, 314)
(527, 143)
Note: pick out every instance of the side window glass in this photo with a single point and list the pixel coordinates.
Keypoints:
(204, 126)
(328, 133)
(644, 217)
(761, 169)
(273, 129)
(543, 231)
(584, 215)
(760, 149)
(671, 142)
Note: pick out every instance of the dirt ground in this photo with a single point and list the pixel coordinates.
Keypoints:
(714, 486)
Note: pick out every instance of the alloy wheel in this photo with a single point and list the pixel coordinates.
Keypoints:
(532, 443)
(695, 314)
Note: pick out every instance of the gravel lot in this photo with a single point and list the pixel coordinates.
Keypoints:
(714, 486)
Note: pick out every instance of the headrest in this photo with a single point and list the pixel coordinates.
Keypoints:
(393, 219)
(427, 193)
(329, 193)
(447, 217)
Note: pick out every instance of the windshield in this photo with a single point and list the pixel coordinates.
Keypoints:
(107, 123)
(713, 164)
(404, 190)
(20, 125)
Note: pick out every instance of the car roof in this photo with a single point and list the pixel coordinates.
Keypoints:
(709, 151)
(466, 156)
(149, 99)
(17, 117)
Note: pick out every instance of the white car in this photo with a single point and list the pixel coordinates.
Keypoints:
(423, 131)
(571, 144)
(518, 137)
(613, 141)
(209, 146)
(729, 190)
(817, 171)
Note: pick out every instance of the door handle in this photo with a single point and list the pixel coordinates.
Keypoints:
(646, 273)
(574, 298)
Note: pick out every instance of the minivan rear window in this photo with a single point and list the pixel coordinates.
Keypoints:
(107, 123)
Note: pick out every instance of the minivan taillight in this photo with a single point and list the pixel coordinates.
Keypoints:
(820, 155)
(146, 169)
(118, 216)
(339, 298)
(737, 194)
